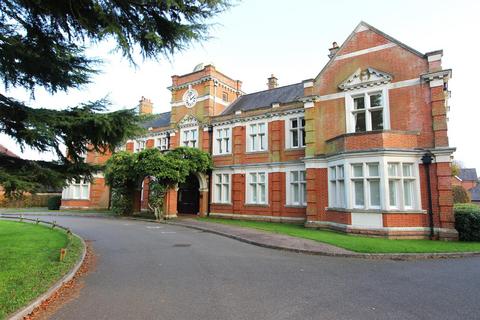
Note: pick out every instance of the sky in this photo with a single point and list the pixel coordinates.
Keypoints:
(256, 38)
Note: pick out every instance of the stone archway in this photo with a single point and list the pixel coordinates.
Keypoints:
(172, 197)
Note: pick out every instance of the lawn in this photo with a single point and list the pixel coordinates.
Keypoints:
(354, 243)
(37, 210)
(29, 262)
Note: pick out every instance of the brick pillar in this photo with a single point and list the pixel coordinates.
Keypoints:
(171, 203)
(203, 206)
(439, 114)
(317, 194)
(444, 205)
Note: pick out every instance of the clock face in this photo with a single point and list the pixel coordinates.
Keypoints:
(190, 97)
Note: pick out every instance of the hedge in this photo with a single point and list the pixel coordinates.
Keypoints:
(54, 203)
(25, 201)
(467, 221)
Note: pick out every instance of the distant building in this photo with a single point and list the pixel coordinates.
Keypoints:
(468, 179)
(341, 150)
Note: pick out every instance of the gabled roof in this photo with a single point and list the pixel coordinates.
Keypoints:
(363, 24)
(161, 120)
(468, 174)
(262, 99)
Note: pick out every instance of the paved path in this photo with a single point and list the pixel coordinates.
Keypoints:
(265, 239)
(150, 271)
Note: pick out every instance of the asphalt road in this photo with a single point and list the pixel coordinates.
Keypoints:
(150, 271)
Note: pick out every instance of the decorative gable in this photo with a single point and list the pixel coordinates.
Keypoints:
(188, 121)
(365, 78)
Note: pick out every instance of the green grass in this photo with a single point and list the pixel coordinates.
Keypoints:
(354, 243)
(29, 262)
(34, 211)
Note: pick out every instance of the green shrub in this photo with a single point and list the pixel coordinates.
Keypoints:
(467, 221)
(54, 203)
(460, 195)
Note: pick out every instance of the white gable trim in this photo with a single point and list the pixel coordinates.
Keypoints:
(365, 51)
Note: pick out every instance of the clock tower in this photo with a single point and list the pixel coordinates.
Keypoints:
(197, 96)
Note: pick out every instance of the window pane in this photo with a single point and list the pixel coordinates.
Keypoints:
(376, 100)
(357, 170)
(302, 121)
(296, 194)
(359, 201)
(303, 175)
(332, 173)
(359, 103)
(340, 172)
(408, 193)
(333, 194)
(373, 170)
(294, 175)
(377, 119)
(262, 193)
(407, 170)
(218, 190)
(341, 194)
(302, 134)
(294, 123)
(225, 193)
(262, 142)
(226, 178)
(392, 188)
(393, 169)
(254, 192)
(294, 138)
(375, 193)
(261, 128)
(261, 177)
(360, 124)
(303, 193)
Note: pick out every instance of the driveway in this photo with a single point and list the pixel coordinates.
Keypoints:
(150, 271)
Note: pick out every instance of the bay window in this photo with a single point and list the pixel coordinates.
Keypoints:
(375, 183)
(257, 187)
(257, 137)
(401, 185)
(222, 188)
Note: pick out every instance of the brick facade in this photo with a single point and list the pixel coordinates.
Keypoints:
(339, 151)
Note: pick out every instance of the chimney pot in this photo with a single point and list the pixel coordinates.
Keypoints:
(272, 82)
(333, 49)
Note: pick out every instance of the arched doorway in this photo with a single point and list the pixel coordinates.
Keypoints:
(188, 196)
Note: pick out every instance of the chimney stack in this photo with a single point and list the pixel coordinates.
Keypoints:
(145, 106)
(272, 82)
(333, 50)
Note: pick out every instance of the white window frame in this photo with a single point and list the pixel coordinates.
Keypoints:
(250, 140)
(382, 161)
(289, 132)
(300, 183)
(186, 137)
(400, 180)
(68, 193)
(366, 179)
(350, 108)
(140, 144)
(248, 187)
(222, 180)
(162, 142)
(337, 184)
(222, 140)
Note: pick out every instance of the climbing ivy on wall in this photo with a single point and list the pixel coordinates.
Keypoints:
(124, 173)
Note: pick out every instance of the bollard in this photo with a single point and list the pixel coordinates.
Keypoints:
(63, 253)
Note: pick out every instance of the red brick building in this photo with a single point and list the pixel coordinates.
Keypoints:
(341, 151)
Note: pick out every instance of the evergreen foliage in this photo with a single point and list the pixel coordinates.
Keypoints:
(460, 195)
(42, 44)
